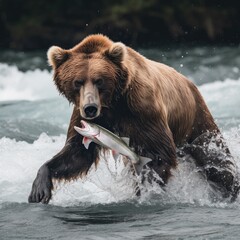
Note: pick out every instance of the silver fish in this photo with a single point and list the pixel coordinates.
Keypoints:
(99, 135)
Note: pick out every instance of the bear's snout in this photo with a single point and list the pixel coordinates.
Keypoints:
(90, 110)
(90, 105)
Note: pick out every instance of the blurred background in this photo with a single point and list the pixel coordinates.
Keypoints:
(30, 25)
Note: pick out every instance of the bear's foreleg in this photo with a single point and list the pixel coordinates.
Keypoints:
(71, 162)
(155, 141)
(213, 156)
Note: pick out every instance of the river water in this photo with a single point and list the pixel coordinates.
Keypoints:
(33, 125)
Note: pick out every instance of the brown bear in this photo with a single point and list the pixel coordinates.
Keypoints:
(158, 108)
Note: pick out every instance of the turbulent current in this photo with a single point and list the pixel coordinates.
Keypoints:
(33, 124)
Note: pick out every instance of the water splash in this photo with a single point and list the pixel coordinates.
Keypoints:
(110, 182)
(29, 85)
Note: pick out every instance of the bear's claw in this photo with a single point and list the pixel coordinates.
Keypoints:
(41, 188)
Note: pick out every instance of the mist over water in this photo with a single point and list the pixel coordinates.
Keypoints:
(33, 124)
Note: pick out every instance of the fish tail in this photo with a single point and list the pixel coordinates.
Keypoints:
(139, 166)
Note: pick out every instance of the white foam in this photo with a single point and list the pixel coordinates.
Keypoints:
(222, 97)
(30, 85)
(110, 182)
(20, 162)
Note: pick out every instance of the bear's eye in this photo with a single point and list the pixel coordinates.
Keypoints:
(78, 83)
(99, 82)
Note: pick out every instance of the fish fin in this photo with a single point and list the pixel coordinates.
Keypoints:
(115, 155)
(126, 140)
(143, 161)
(86, 141)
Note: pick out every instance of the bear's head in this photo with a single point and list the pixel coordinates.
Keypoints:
(91, 75)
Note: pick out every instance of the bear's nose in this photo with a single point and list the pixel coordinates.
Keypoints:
(90, 110)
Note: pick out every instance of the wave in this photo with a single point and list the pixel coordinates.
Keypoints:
(37, 84)
(110, 182)
(222, 97)
(29, 85)
(21, 160)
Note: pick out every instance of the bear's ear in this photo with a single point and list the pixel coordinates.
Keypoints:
(116, 52)
(56, 56)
